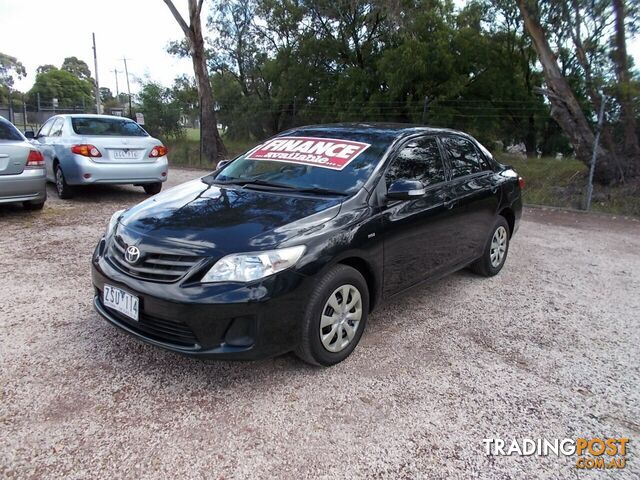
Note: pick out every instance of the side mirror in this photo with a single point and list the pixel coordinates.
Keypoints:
(223, 164)
(405, 190)
(29, 134)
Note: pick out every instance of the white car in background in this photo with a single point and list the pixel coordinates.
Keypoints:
(85, 149)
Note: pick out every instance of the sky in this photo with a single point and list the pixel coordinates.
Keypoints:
(40, 32)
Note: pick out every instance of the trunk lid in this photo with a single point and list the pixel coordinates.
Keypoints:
(13, 156)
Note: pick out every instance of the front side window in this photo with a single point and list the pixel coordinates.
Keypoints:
(9, 132)
(463, 156)
(46, 128)
(418, 160)
(56, 128)
(114, 127)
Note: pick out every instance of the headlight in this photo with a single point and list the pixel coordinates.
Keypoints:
(247, 267)
(113, 222)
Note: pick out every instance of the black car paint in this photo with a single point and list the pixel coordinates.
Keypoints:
(395, 244)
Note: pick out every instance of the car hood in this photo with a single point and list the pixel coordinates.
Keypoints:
(227, 219)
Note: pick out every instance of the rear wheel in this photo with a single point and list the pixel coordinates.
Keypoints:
(33, 206)
(152, 188)
(495, 251)
(335, 318)
(63, 189)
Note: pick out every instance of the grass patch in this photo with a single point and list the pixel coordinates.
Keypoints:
(185, 152)
(563, 183)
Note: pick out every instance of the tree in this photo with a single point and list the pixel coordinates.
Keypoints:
(77, 67)
(10, 67)
(45, 68)
(63, 85)
(105, 94)
(565, 108)
(625, 88)
(185, 93)
(212, 145)
(161, 111)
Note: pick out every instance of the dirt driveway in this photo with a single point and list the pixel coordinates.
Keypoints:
(549, 348)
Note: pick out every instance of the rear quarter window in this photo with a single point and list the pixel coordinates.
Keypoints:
(9, 132)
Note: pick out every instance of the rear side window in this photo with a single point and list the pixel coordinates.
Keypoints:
(9, 132)
(419, 160)
(463, 156)
(115, 127)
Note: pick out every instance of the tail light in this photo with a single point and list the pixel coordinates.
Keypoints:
(86, 150)
(35, 159)
(158, 151)
(521, 182)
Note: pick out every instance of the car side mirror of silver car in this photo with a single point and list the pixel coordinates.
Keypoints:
(29, 134)
(405, 190)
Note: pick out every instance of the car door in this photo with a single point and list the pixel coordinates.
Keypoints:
(473, 192)
(417, 232)
(43, 142)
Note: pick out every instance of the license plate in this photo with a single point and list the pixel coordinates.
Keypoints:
(125, 154)
(121, 301)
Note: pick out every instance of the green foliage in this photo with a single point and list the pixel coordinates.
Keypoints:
(10, 67)
(161, 111)
(77, 67)
(70, 90)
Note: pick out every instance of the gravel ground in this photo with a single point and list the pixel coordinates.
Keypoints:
(547, 349)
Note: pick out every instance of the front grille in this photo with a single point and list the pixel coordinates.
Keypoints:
(168, 331)
(158, 267)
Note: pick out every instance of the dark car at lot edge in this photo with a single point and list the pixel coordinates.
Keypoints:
(291, 245)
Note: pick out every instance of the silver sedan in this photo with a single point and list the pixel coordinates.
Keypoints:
(22, 172)
(90, 149)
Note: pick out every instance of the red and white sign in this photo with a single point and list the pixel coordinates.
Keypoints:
(331, 153)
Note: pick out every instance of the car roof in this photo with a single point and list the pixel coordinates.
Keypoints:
(92, 115)
(396, 130)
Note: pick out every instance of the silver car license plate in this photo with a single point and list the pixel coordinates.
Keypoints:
(125, 154)
(121, 301)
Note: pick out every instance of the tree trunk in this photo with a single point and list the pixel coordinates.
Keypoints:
(212, 145)
(624, 94)
(565, 109)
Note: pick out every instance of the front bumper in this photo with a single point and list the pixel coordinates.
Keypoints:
(114, 173)
(28, 186)
(225, 321)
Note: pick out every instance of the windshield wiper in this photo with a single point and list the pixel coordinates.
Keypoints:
(280, 186)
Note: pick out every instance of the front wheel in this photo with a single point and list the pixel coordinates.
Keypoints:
(152, 188)
(33, 206)
(495, 251)
(335, 318)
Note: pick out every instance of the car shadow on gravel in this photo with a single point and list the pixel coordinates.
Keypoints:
(101, 193)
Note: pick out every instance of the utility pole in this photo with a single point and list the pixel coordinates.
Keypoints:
(425, 109)
(95, 63)
(126, 72)
(594, 155)
(116, 72)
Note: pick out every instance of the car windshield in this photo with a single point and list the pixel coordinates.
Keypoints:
(9, 132)
(115, 127)
(338, 161)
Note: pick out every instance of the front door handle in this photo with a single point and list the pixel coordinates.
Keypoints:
(449, 202)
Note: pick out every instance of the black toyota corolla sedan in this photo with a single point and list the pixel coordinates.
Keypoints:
(291, 245)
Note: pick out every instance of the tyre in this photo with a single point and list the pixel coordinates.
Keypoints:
(33, 206)
(495, 251)
(64, 190)
(335, 318)
(152, 188)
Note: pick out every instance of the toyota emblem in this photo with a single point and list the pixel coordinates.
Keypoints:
(132, 255)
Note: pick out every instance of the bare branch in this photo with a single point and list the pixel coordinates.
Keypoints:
(178, 17)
